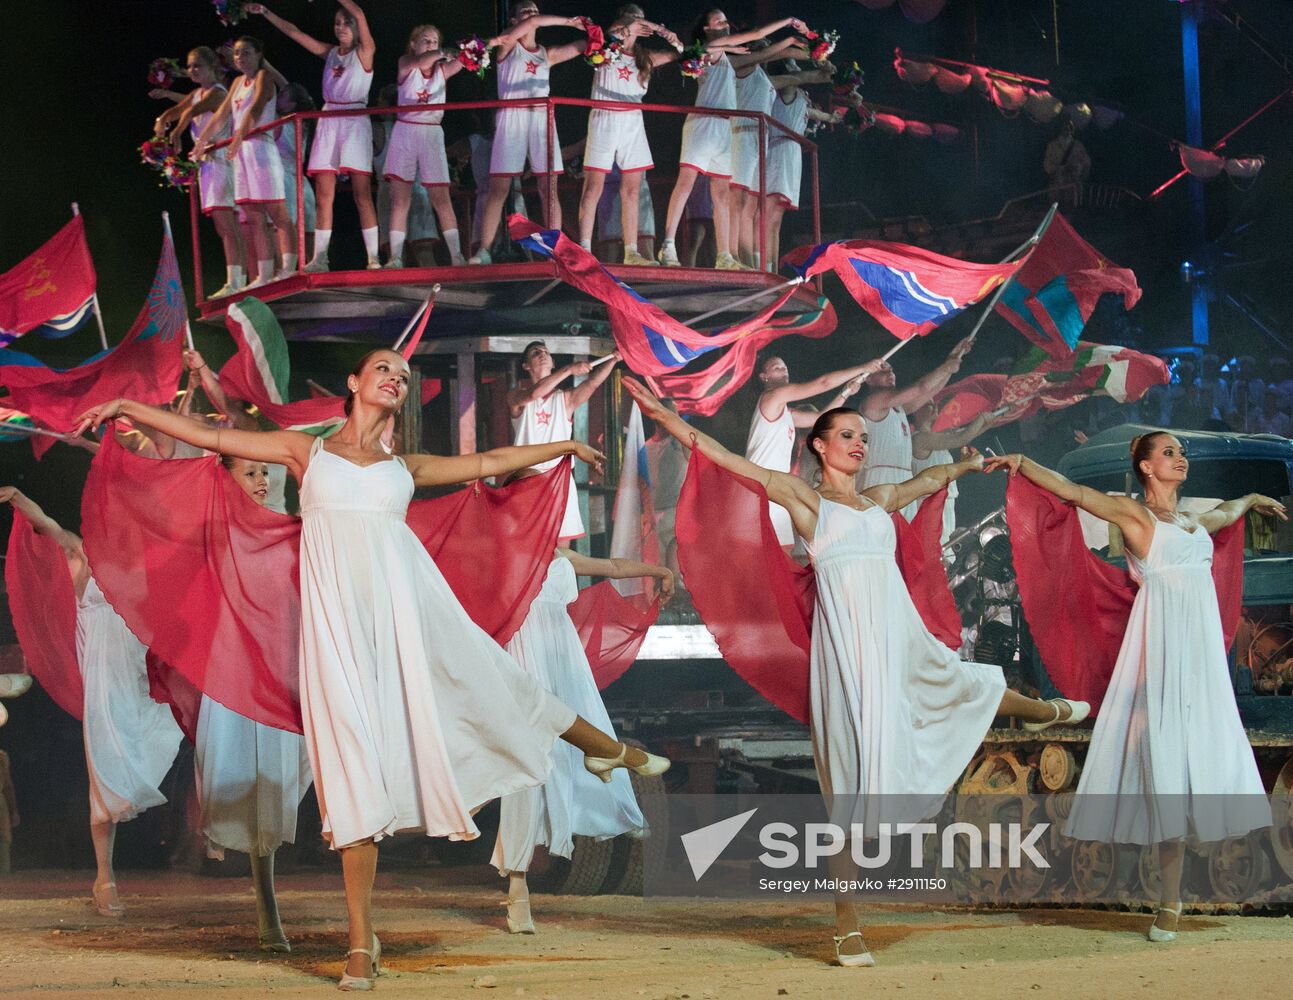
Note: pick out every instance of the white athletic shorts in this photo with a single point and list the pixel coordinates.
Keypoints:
(258, 172)
(215, 182)
(342, 146)
(416, 153)
(521, 134)
(707, 145)
(616, 137)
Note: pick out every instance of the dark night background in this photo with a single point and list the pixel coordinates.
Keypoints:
(77, 108)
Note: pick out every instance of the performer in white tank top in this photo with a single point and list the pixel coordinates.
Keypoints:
(885, 408)
(521, 134)
(342, 145)
(771, 442)
(543, 413)
(618, 138)
(215, 175)
(930, 447)
(707, 139)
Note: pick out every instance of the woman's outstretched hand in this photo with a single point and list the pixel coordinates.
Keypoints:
(97, 416)
(587, 453)
(1010, 463)
(650, 406)
(667, 586)
(1268, 506)
(971, 454)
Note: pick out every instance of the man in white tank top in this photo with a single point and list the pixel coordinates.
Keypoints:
(521, 134)
(542, 413)
(771, 443)
(885, 407)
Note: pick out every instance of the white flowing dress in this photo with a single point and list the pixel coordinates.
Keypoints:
(414, 717)
(130, 740)
(251, 779)
(1169, 757)
(571, 801)
(895, 715)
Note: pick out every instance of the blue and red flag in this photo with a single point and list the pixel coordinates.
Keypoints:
(1057, 289)
(908, 291)
(52, 291)
(145, 366)
(650, 341)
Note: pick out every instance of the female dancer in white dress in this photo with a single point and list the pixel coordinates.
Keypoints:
(572, 801)
(251, 778)
(258, 188)
(893, 712)
(413, 715)
(342, 145)
(215, 175)
(130, 740)
(1169, 758)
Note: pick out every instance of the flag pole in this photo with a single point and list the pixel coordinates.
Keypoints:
(94, 296)
(23, 429)
(727, 306)
(1024, 247)
(188, 330)
(430, 301)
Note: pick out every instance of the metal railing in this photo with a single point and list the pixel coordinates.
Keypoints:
(296, 121)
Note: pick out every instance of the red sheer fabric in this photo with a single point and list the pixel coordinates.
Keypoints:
(208, 579)
(611, 629)
(43, 604)
(494, 545)
(170, 687)
(758, 602)
(1076, 604)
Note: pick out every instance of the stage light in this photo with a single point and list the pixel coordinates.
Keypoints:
(996, 564)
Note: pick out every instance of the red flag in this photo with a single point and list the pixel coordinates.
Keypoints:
(145, 366)
(53, 285)
(907, 290)
(650, 341)
(1055, 292)
(704, 392)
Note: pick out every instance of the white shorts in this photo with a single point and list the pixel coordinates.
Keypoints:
(707, 145)
(258, 172)
(616, 138)
(416, 153)
(745, 157)
(342, 146)
(215, 182)
(785, 171)
(521, 134)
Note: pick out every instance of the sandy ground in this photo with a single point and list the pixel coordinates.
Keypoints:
(443, 935)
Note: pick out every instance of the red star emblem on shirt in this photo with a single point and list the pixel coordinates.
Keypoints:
(624, 72)
(337, 71)
(542, 417)
(532, 67)
(424, 96)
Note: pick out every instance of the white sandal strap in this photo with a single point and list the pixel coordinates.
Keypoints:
(360, 951)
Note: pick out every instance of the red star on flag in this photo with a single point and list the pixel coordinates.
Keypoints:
(532, 67)
(624, 72)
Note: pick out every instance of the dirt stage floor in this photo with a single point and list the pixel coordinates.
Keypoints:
(443, 935)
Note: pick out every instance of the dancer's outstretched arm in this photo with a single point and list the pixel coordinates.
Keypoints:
(307, 42)
(896, 496)
(289, 448)
(1226, 514)
(43, 524)
(789, 491)
(1133, 520)
(622, 569)
(446, 470)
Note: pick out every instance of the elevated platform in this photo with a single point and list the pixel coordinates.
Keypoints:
(356, 306)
